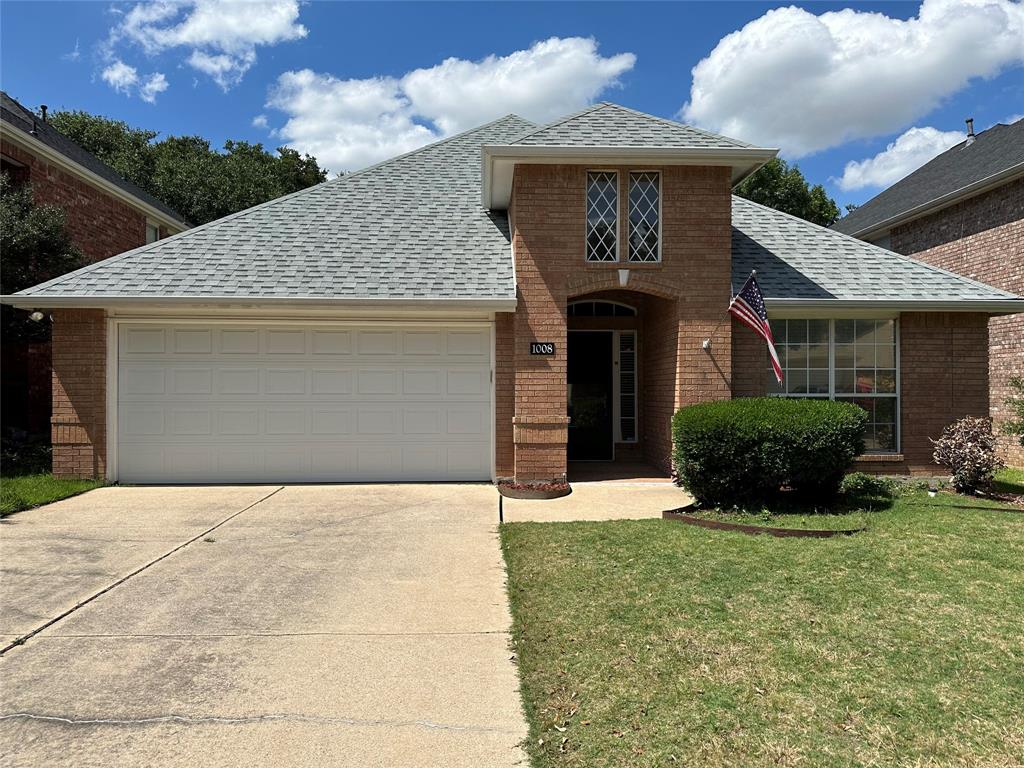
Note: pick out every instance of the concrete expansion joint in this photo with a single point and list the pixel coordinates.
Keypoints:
(49, 623)
(251, 719)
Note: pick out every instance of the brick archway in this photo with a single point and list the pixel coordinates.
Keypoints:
(638, 282)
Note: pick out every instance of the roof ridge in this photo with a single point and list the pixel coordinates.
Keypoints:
(677, 124)
(246, 211)
(565, 119)
(865, 244)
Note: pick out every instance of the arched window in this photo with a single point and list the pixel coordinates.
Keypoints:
(600, 309)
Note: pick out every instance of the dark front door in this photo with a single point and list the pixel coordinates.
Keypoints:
(590, 396)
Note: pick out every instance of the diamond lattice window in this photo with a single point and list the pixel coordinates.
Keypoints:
(602, 216)
(644, 232)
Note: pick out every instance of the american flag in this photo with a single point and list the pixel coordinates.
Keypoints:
(747, 306)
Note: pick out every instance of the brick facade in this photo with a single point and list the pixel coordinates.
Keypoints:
(101, 225)
(982, 238)
(689, 287)
(79, 422)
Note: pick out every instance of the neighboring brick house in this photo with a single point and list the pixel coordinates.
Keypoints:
(494, 305)
(105, 215)
(964, 211)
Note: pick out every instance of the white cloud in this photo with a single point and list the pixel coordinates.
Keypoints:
(220, 35)
(74, 54)
(1011, 119)
(125, 79)
(909, 152)
(155, 83)
(120, 76)
(542, 83)
(805, 82)
(260, 121)
(348, 124)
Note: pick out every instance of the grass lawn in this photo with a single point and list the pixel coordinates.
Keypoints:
(1010, 480)
(27, 491)
(651, 643)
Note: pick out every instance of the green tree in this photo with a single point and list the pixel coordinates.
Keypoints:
(34, 247)
(783, 187)
(125, 149)
(186, 173)
(1015, 424)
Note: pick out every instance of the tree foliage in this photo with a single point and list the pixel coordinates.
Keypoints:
(34, 247)
(185, 172)
(782, 186)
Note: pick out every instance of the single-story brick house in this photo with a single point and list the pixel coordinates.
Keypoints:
(964, 211)
(494, 305)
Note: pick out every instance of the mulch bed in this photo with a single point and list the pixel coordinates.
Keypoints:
(534, 490)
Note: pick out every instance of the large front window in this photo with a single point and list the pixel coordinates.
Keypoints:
(602, 216)
(851, 360)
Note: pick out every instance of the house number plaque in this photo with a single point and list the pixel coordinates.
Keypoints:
(542, 348)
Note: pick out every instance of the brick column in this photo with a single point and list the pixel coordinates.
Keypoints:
(79, 421)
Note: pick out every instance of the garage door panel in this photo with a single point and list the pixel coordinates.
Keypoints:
(250, 403)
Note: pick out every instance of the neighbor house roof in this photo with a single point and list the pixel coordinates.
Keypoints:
(995, 157)
(33, 129)
(409, 228)
(802, 264)
(611, 125)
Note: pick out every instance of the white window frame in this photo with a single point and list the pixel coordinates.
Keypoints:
(605, 301)
(629, 221)
(847, 396)
(618, 216)
(152, 224)
(617, 386)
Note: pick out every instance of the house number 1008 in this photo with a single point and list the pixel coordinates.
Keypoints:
(542, 348)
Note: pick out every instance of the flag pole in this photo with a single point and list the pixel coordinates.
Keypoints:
(732, 293)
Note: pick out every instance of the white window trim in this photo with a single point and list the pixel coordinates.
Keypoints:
(617, 387)
(845, 396)
(586, 217)
(630, 307)
(629, 222)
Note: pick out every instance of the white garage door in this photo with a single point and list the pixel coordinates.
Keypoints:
(303, 403)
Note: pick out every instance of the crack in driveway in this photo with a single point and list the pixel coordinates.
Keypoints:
(248, 719)
(29, 635)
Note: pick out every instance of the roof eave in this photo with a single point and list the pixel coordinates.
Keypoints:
(1006, 306)
(29, 301)
(944, 201)
(498, 162)
(32, 144)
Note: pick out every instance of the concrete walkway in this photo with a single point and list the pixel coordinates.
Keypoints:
(315, 625)
(603, 500)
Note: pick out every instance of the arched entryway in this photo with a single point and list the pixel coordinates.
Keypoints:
(621, 381)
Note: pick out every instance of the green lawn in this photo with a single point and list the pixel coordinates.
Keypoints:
(652, 643)
(27, 491)
(1010, 480)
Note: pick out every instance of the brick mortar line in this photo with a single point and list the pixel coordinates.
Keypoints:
(24, 638)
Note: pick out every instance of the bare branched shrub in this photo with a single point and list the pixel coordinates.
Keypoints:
(968, 448)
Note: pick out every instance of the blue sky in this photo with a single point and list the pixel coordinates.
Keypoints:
(354, 83)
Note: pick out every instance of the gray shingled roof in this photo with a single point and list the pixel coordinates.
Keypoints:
(413, 228)
(410, 227)
(15, 115)
(611, 125)
(997, 150)
(796, 259)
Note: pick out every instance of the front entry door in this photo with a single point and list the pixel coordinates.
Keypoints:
(590, 396)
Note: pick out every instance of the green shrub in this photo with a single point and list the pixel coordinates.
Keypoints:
(863, 489)
(734, 452)
(968, 448)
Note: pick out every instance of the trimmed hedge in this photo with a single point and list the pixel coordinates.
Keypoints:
(734, 452)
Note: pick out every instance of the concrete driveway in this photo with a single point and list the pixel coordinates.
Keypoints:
(314, 625)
